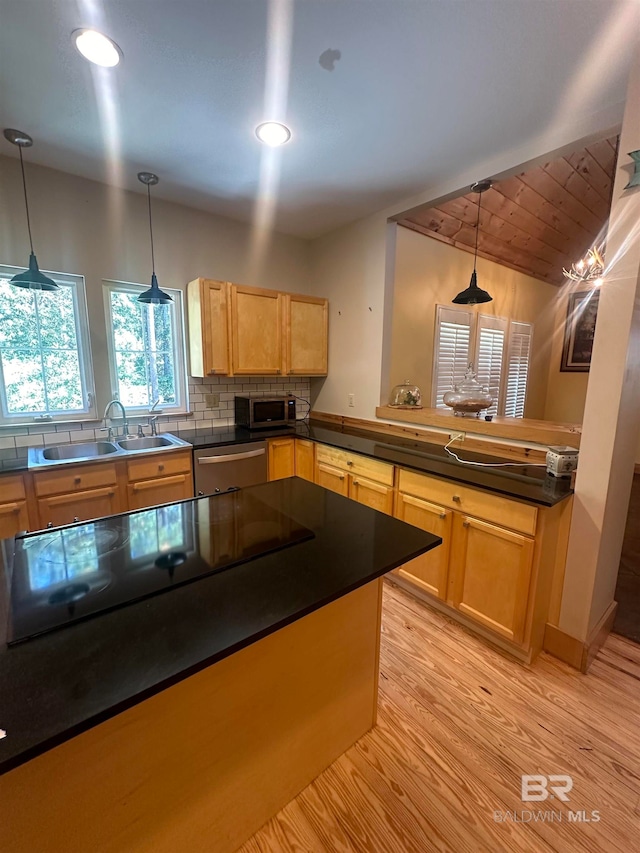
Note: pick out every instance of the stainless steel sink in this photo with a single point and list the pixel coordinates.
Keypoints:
(60, 454)
(88, 450)
(146, 443)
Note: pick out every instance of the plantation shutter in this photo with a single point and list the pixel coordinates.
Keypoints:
(489, 356)
(451, 356)
(519, 354)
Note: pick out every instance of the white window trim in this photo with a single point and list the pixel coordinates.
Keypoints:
(89, 411)
(179, 354)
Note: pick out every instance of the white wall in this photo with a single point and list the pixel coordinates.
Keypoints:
(86, 228)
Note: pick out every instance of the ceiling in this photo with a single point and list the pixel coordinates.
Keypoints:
(537, 222)
(421, 88)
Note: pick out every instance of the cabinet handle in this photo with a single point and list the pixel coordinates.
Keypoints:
(341, 477)
(349, 462)
(160, 467)
(50, 524)
(356, 482)
(456, 499)
(77, 480)
(75, 518)
(465, 523)
(443, 515)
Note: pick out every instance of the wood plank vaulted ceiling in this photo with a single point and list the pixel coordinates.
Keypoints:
(537, 222)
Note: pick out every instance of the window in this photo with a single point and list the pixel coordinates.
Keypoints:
(45, 360)
(146, 349)
(499, 349)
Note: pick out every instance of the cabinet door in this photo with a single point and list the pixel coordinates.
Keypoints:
(83, 506)
(375, 495)
(256, 331)
(332, 478)
(281, 458)
(490, 575)
(306, 335)
(208, 307)
(428, 571)
(163, 490)
(13, 518)
(305, 459)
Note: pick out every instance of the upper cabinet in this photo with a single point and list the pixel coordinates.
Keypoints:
(249, 331)
(256, 331)
(306, 335)
(208, 308)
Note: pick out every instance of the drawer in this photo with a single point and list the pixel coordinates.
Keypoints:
(503, 511)
(11, 488)
(159, 464)
(354, 463)
(73, 479)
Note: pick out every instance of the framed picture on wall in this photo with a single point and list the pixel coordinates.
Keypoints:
(579, 330)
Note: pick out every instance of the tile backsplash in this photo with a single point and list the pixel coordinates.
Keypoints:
(14, 440)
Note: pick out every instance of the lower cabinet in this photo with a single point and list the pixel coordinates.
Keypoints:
(78, 506)
(76, 493)
(357, 477)
(160, 479)
(14, 514)
(430, 571)
(490, 575)
(281, 458)
(305, 459)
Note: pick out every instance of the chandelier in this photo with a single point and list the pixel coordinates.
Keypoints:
(590, 268)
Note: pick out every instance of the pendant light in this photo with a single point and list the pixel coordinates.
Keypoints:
(153, 295)
(31, 278)
(474, 295)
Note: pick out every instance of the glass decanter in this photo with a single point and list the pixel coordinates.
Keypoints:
(468, 397)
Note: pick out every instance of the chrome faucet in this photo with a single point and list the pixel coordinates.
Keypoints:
(125, 425)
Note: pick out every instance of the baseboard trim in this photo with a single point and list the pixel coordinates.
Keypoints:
(577, 653)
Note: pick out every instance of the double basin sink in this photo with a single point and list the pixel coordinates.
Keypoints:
(40, 457)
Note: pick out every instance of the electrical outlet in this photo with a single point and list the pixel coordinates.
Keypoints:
(352, 399)
(212, 401)
(457, 436)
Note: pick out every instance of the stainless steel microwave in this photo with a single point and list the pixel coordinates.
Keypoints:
(263, 412)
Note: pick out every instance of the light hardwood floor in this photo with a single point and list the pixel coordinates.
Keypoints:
(458, 725)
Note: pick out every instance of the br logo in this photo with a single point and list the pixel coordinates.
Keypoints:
(537, 788)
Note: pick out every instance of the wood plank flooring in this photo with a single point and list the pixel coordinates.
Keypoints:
(458, 725)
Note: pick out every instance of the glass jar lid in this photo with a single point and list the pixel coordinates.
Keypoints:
(406, 396)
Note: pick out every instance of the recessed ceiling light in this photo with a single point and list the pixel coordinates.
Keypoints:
(97, 48)
(273, 133)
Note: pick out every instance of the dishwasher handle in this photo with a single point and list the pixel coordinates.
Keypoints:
(230, 457)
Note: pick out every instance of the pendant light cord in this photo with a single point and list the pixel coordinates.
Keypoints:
(153, 263)
(475, 254)
(26, 202)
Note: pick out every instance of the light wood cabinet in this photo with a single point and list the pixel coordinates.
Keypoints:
(84, 491)
(358, 477)
(159, 479)
(250, 331)
(14, 513)
(208, 312)
(305, 459)
(256, 331)
(78, 506)
(490, 575)
(332, 478)
(306, 335)
(77, 493)
(430, 571)
(281, 458)
(497, 563)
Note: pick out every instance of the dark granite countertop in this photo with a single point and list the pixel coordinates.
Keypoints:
(12, 462)
(270, 554)
(526, 482)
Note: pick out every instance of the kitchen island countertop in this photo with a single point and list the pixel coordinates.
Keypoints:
(316, 547)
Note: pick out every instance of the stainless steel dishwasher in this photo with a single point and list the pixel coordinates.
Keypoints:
(219, 468)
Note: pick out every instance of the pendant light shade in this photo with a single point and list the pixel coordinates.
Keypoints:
(474, 295)
(32, 278)
(153, 295)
